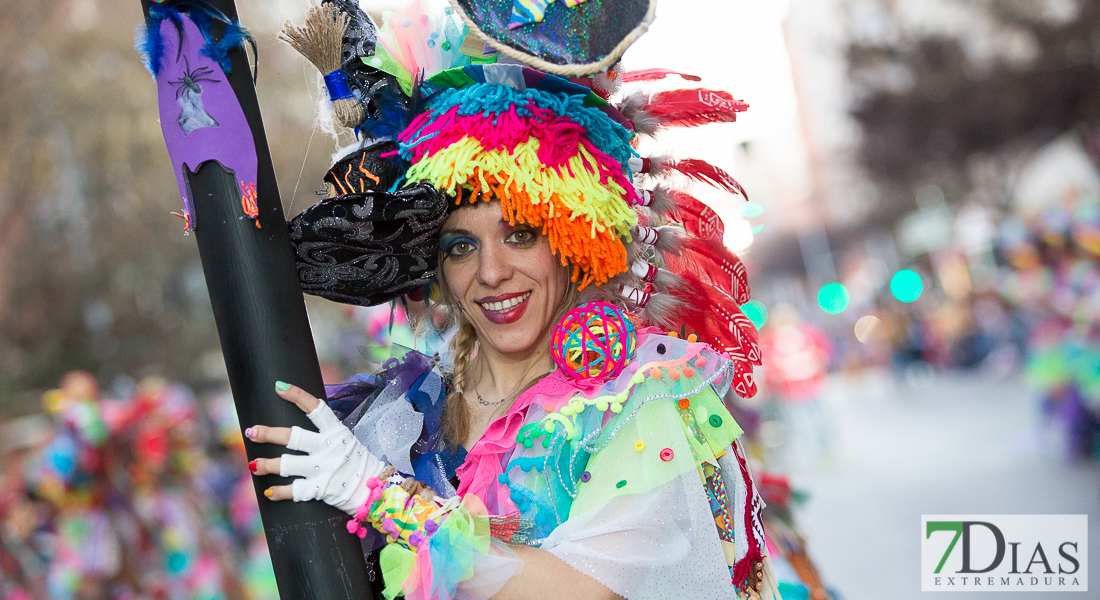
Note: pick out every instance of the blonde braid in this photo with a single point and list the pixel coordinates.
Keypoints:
(456, 414)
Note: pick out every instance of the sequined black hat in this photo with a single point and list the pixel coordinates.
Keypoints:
(365, 245)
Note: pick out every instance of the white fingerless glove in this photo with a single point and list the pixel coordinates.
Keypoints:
(336, 467)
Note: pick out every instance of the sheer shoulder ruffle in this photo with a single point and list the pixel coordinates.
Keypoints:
(396, 415)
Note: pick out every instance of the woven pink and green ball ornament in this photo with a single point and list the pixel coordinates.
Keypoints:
(594, 340)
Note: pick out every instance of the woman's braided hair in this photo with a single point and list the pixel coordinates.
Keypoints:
(456, 418)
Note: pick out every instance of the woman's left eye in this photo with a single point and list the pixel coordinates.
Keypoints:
(522, 237)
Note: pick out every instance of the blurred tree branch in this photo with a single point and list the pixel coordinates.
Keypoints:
(929, 102)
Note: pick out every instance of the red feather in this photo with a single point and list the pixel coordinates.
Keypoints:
(655, 74)
(726, 312)
(717, 322)
(699, 265)
(743, 381)
(694, 107)
(699, 219)
(713, 263)
(704, 172)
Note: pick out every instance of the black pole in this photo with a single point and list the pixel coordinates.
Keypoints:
(265, 337)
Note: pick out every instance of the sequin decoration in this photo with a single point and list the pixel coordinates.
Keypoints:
(570, 33)
(533, 11)
(248, 202)
(719, 503)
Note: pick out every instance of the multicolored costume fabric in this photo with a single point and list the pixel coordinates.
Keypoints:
(636, 480)
(630, 474)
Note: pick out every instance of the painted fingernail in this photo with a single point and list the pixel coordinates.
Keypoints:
(252, 466)
(282, 386)
(250, 432)
(269, 492)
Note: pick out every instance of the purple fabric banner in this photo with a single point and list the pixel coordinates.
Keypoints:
(201, 117)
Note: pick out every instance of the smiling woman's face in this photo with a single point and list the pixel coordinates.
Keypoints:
(506, 278)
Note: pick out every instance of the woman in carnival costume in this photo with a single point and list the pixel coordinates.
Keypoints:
(576, 444)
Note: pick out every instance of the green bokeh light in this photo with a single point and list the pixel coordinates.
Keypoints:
(751, 209)
(756, 312)
(906, 285)
(833, 298)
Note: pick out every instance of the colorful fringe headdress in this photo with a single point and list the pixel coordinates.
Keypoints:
(556, 151)
(552, 159)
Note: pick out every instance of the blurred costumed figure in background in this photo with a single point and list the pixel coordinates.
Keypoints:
(126, 497)
(1053, 277)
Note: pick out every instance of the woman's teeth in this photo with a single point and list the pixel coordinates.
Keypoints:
(506, 304)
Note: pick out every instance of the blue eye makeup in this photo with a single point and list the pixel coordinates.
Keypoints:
(455, 245)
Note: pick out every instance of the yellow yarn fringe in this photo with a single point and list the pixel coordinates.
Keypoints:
(583, 217)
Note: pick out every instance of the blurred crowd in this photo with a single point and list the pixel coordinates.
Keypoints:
(139, 492)
(1030, 306)
(1055, 281)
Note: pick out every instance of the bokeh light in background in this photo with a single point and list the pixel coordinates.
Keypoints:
(756, 312)
(833, 298)
(866, 327)
(906, 285)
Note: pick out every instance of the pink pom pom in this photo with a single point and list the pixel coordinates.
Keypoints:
(353, 526)
(373, 483)
(362, 512)
(362, 533)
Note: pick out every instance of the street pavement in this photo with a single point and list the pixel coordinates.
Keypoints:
(877, 454)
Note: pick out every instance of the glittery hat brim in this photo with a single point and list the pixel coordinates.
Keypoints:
(369, 248)
(572, 41)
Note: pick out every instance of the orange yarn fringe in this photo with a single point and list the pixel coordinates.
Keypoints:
(596, 256)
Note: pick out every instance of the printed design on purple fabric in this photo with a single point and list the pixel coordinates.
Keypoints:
(200, 116)
(189, 96)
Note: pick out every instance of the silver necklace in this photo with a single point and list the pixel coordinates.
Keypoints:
(485, 402)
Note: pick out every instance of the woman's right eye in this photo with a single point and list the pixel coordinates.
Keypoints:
(459, 248)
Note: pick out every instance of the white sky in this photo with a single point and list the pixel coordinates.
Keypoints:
(737, 46)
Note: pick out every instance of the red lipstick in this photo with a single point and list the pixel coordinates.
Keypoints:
(504, 317)
(500, 298)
